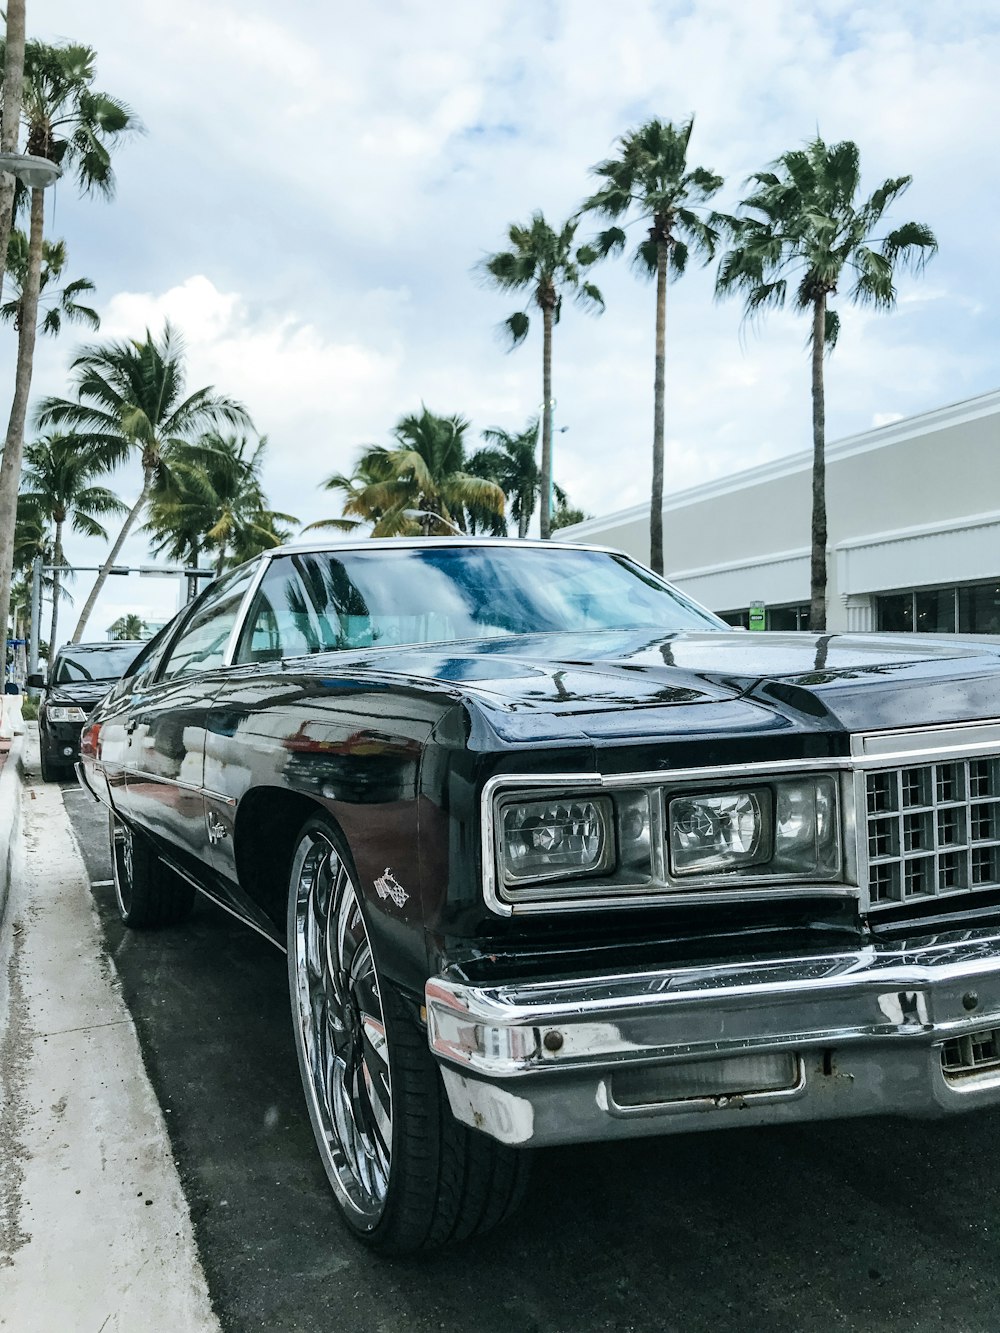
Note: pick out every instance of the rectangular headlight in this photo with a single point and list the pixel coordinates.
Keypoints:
(788, 827)
(557, 838)
(60, 713)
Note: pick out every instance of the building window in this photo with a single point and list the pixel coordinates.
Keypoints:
(979, 609)
(778, 618)
(788, 617)
(974, 609)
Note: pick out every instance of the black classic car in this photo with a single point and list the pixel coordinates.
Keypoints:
(558, 857)
(81, 675)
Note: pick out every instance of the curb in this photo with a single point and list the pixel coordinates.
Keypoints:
(10, 813)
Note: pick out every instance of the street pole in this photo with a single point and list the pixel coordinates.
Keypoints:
(36, 614)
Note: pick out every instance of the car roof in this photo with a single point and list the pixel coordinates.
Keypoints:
(432, 543)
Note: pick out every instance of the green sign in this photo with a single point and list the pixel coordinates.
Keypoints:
(758, 615)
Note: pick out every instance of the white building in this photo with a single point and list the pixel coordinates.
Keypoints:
(914, 530)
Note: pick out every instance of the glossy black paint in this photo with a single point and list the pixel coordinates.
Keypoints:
(56, 738)
(397, 743)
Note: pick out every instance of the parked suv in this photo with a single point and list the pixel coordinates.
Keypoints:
(81, 676)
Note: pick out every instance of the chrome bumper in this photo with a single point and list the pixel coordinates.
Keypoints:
(534, 1063)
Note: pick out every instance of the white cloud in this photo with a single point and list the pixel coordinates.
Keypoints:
(318, 181)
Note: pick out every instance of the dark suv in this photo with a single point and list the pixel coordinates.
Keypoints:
(81, 676)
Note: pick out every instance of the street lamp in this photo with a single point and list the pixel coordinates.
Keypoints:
(37, 173)
(429, 513)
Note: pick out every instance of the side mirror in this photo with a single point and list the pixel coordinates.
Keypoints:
(36, 681)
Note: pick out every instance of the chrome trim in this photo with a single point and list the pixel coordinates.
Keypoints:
(959, 740)
(708, 889)
(219, 901)
(527, 1061)
(716, 1102)
(218, 796)
(162, 777)
(184, 786)
(244, 611)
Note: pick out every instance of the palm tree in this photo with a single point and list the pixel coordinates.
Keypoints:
(61, 302)
(127, 627)
(69, 123)
(802, 221)
(130, 398)
(371, 469)
(213, 499)
(510, 460)
(12, 96)
(58, 483)
(650, 178)
(421, 485)
(543, 263)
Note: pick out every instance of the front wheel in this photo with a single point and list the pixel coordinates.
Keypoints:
(405, 1174)
(148, 893)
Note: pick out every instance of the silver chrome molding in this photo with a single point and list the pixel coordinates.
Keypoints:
(913, 747)
(245, 605)
(869, 1026)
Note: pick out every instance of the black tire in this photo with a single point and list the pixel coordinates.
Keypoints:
(148, 893)
(423, 1180)
(51, 771)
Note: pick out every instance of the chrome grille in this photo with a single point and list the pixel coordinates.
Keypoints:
(933, 830)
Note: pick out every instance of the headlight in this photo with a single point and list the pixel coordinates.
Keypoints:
(719, 830)
(59, 713)
(555, 839)
(787, 828)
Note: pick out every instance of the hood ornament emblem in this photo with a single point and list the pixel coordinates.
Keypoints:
(387, 886)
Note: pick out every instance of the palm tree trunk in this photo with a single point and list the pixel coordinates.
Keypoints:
(546, 498)
(10, 467)
(522, 522)
(13, 90)
(57, 559)
(656, 495)
(95, 592)
(817, 580)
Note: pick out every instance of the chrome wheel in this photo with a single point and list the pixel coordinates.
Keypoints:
(340, 1028)
(122, 864)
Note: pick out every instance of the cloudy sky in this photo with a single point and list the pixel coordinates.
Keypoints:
(318, 181)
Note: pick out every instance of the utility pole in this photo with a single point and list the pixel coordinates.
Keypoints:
(36, 614)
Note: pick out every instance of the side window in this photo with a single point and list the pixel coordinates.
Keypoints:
(283, 620)
(202, 643)
(141, 672)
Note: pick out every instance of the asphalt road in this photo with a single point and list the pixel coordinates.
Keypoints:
(864, 1225)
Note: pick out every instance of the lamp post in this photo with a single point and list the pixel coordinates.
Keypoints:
(553, 432)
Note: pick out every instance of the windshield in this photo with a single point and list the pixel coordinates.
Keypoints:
(312, 603)
(97, 663)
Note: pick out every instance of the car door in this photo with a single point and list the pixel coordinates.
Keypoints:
(282, 621)
(165, 749)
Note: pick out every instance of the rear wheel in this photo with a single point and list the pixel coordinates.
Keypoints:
(405, 1174)
(148, 893)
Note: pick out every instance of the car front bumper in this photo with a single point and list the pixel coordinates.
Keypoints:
(61, 741)
(863, 1032)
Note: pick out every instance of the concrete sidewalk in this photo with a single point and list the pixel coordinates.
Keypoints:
(95, 1232)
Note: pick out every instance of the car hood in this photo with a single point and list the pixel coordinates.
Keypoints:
(611, 682)
(83, 694)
